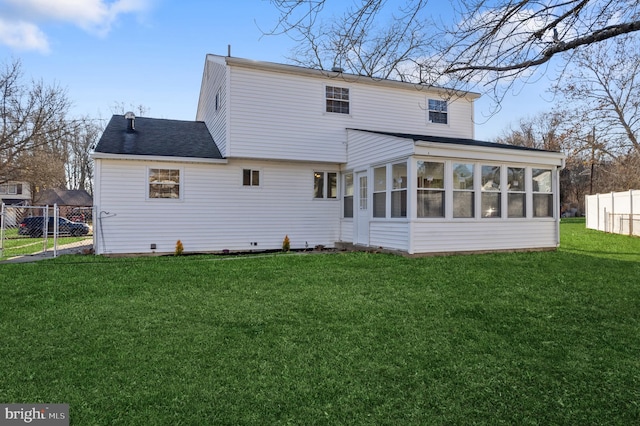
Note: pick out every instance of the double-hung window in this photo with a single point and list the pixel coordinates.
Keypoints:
(380, 191)
(463, 191)
(164, 183)
(491, 196)
(337, 99)
(438, 111)
(399, 190)
(430, 189)
(325, 185)
(542, 193)
(516, 192)
(347, 197)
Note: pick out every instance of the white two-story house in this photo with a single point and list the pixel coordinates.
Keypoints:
(322, 157)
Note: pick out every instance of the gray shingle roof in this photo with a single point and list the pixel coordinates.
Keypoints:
(456, 141)
(158, 137)
(64, 197)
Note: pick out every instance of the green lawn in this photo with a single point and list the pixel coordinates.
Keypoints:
(525, 338)
(19, 245)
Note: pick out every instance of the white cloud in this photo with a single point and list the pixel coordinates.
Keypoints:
(22, 35)
(93, 16)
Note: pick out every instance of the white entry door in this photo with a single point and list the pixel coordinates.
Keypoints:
(362, 209)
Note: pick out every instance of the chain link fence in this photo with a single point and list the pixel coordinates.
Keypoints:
(45, 231)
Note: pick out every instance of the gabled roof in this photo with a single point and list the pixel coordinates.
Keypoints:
(158, 137)
(454, 141)
(64, 197)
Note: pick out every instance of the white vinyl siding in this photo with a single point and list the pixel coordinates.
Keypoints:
(215, 214)
(294, 125)
(212, 105)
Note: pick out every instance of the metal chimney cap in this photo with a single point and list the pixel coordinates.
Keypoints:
(130, 116)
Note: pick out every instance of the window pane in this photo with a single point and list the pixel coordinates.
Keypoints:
(430, 175)
(491, 178)
(462, 176)
(543, 205)
(399, 203)
(164, 183)
(542, 180)
(516, 205)
(255, 177)
(363, 193)
(399, 172)
(430, 203)
(246, 177)
(515, 177)
(348, 205)
(332, 185)
(318, 185)
(463, 204)
(490, 204)
(379, 204)
(348, 184)
(380, 179)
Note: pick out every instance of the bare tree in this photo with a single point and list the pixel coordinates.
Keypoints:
(31, 116)
(489, 42)
(604, 92)
(78, 164)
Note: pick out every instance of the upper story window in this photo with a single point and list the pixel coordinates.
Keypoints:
(337, 99)
(11, 188)
(218, 100)
(438, 111)
(325, 185)
(164, 183)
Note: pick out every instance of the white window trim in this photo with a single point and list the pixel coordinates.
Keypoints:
(431, 123)
(325, 188)
(324, 101)
(165, 200)
(254, 187)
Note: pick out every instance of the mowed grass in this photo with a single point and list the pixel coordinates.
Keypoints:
(351, 338)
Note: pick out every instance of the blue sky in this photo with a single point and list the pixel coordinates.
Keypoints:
(152, 52)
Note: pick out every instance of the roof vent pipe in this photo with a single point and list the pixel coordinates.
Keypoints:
(131, 118)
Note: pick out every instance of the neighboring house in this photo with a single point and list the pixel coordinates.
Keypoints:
(326, 158)
(74, 204)
(14, 193)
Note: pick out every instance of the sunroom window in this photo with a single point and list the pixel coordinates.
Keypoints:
(463, 191)
(430, 189)
(491, 197)
(399, 190)
(516, 194)
(380, 191)
(542, 193)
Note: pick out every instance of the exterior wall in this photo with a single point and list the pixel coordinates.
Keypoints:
(475, 235)
(389, 235)
(280, 115)
(365, 149)
(215, 82)
(22, 190)
(216, 211)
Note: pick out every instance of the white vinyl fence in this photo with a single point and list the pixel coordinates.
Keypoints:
(44, 231)
(616, 212)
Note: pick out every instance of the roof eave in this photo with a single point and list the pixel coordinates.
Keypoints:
(130, 157)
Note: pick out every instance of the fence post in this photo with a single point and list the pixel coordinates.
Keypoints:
(630, 212)
(55, 230)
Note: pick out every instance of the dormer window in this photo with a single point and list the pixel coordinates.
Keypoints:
(438, 111)
(337, 99)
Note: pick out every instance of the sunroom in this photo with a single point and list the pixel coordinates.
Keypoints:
(422, 194)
